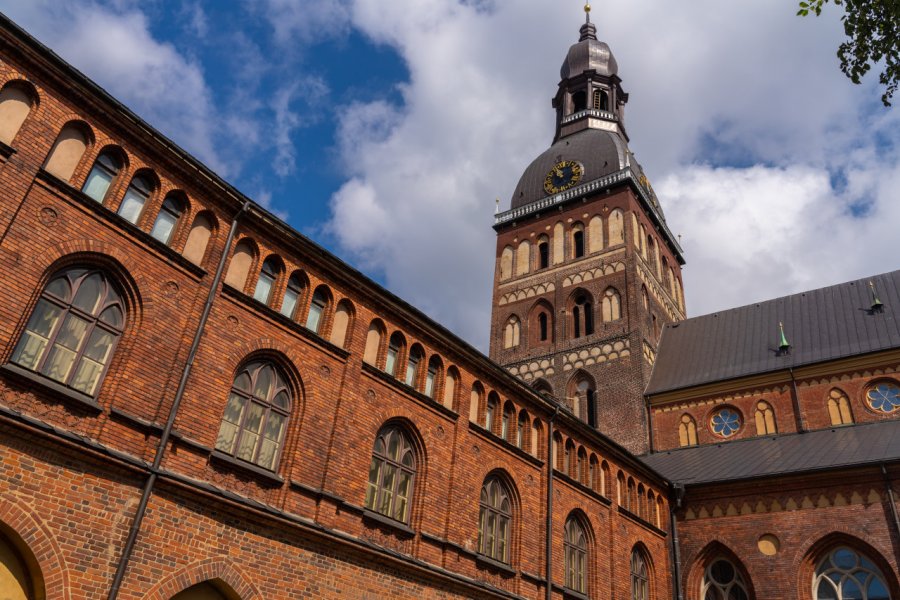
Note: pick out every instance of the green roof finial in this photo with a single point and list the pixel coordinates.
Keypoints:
(877, 305)
(783, 344)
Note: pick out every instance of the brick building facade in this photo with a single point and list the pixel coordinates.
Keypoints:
(197, 402)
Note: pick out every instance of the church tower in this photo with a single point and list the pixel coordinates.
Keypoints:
(587, 271)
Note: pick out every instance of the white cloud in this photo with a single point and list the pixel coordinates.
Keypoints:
(300, 23)
(748, 84)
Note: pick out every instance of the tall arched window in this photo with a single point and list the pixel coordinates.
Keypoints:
(135, 199)
(511, 332)
(73, 330)
(340, 329)
(167, 219)
(412, 365)
(509, 417)
(543, 254)
(15, 104)
(578, 241)
(431, 375)
(16, 581)
(847, 575)
(523, 257)
(611, 305)
(490, 411)
(722, 581)
(506, 263)
(640, 580)
(198, 238)
(256, 415)
(575, 550)
(494, 520)
(266, 282)
(105, 169)
(451, 384)
(579, 101)
(391, 475)
(292, 295)
(765, 419)
(521, 430)
(67, 151)
(687, 431)
(317, 306)
(839, 408)
(543, 332)
(373, 342)
(241, 261)
(616, 227)
(395, 344)
(582, 316)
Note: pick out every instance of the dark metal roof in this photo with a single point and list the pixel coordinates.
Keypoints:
(824, 324)
(826, 449)
(588, 54)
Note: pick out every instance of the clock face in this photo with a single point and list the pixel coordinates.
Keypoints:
(562, 176)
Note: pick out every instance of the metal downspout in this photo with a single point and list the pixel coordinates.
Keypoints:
(676, 550)
(795, 400)
(173, 411)
(548, 525)
(891, 499)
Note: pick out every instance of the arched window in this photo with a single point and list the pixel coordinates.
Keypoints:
(521, 430)
(580, 473)
(340, 330)
(267, 276)
(511, 332)
(317, 306)
(611, 305)
(687, 431)
(523, 257)
(509, 417)
(839, 408)
(412, 365)
(451, 384)
(373, 342)
(16, 582)
(543, 254)
(15, 104)
(201, 591)
(395, 344)
(616, 227)
(256, 415)
(579, 101)
(494, 520)
(391, 475)
(105, 169)
(167, 219)
(241, 261)
(198, 238)
(575, 550)
(847, 575)
(543, 332)
(135, 199)
(67, 151)
(645, 299)
(73, 330)
(640, 580)
(578, 241)
(431, 375)
(490, 411)
(595, 234)
(765, 419)
(506, 263)
(583, 393)
(475, 401)
(582, 316)
(292, 295)
(723, 581)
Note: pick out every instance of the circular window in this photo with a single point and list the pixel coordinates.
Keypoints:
(884, 396)
(725, 422)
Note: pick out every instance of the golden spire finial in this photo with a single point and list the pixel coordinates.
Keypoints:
(587, 12)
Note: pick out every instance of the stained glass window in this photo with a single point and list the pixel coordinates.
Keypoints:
(884, 396)
(846, 575)
(725, 422)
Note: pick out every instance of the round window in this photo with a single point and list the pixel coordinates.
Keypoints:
(725, 422)
(884, 396)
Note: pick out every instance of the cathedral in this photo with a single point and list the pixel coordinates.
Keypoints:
(199, 403)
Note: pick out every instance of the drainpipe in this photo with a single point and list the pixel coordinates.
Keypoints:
(676, 551)
(649, 422)
(795, 400)
(170, 422)
(890, 493)
(548, 526)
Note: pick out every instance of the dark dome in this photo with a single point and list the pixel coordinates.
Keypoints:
(588, 54)
(600, 152)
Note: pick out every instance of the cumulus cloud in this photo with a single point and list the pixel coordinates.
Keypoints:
(765, 158)
(300, 23)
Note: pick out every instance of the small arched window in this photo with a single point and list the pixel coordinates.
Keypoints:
(543, 254)
(135, 199)
(765, 419)
(451, 384)
(839, 408)
(102, 174)
(494, 520)
(847, 575)
(511, 332)
(395, 344)
(266, 282)
(73, 330)
(340, 330)
(292, 295)
(645, 299)
(616, 227)
(198, 238)
(722, 580)
(256, 415)
(521, 430)
(640, 580)
(373, 342)
(67, 151)
(687, 431)
(543, 328)
(579, 101)
(576, 556)
(241, 261)
(582, 316)
(523, 255)
(391, 475)
(475, 401)
(506, 263)
(167, 219)
(15, 104)
(317, 307)
(490, 412)
(413, 361)
(578, 241)
(431, 375)
(509, 417)
(611, 305)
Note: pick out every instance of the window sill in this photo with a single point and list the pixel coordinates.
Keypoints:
(640, 521)
(120, 415)
(567, 593)
(495, 565)
(380, 519)
(316, 492)
(408, 390)
(190, 442)
(58, 389)
(236, 464)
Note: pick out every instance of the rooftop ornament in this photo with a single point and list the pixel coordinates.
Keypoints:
(784, 347)
(877, 305)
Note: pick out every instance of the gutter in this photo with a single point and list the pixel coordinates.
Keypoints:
(173, 412)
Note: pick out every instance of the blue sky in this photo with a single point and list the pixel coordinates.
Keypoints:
(384, 130)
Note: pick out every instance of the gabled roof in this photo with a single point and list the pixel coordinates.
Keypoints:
(841, 447)
(821, 325)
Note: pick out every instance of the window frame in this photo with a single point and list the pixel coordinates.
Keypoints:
(99, 166)
(374, 501)
(640, 576)
(575, 551)
(172, 206)
(499, 549)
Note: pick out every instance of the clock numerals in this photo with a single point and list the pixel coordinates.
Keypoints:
(564, 175)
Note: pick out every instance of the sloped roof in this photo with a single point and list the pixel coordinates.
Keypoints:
(825, 449)
(821, 325)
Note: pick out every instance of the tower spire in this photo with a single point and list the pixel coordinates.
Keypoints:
(588, 30)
